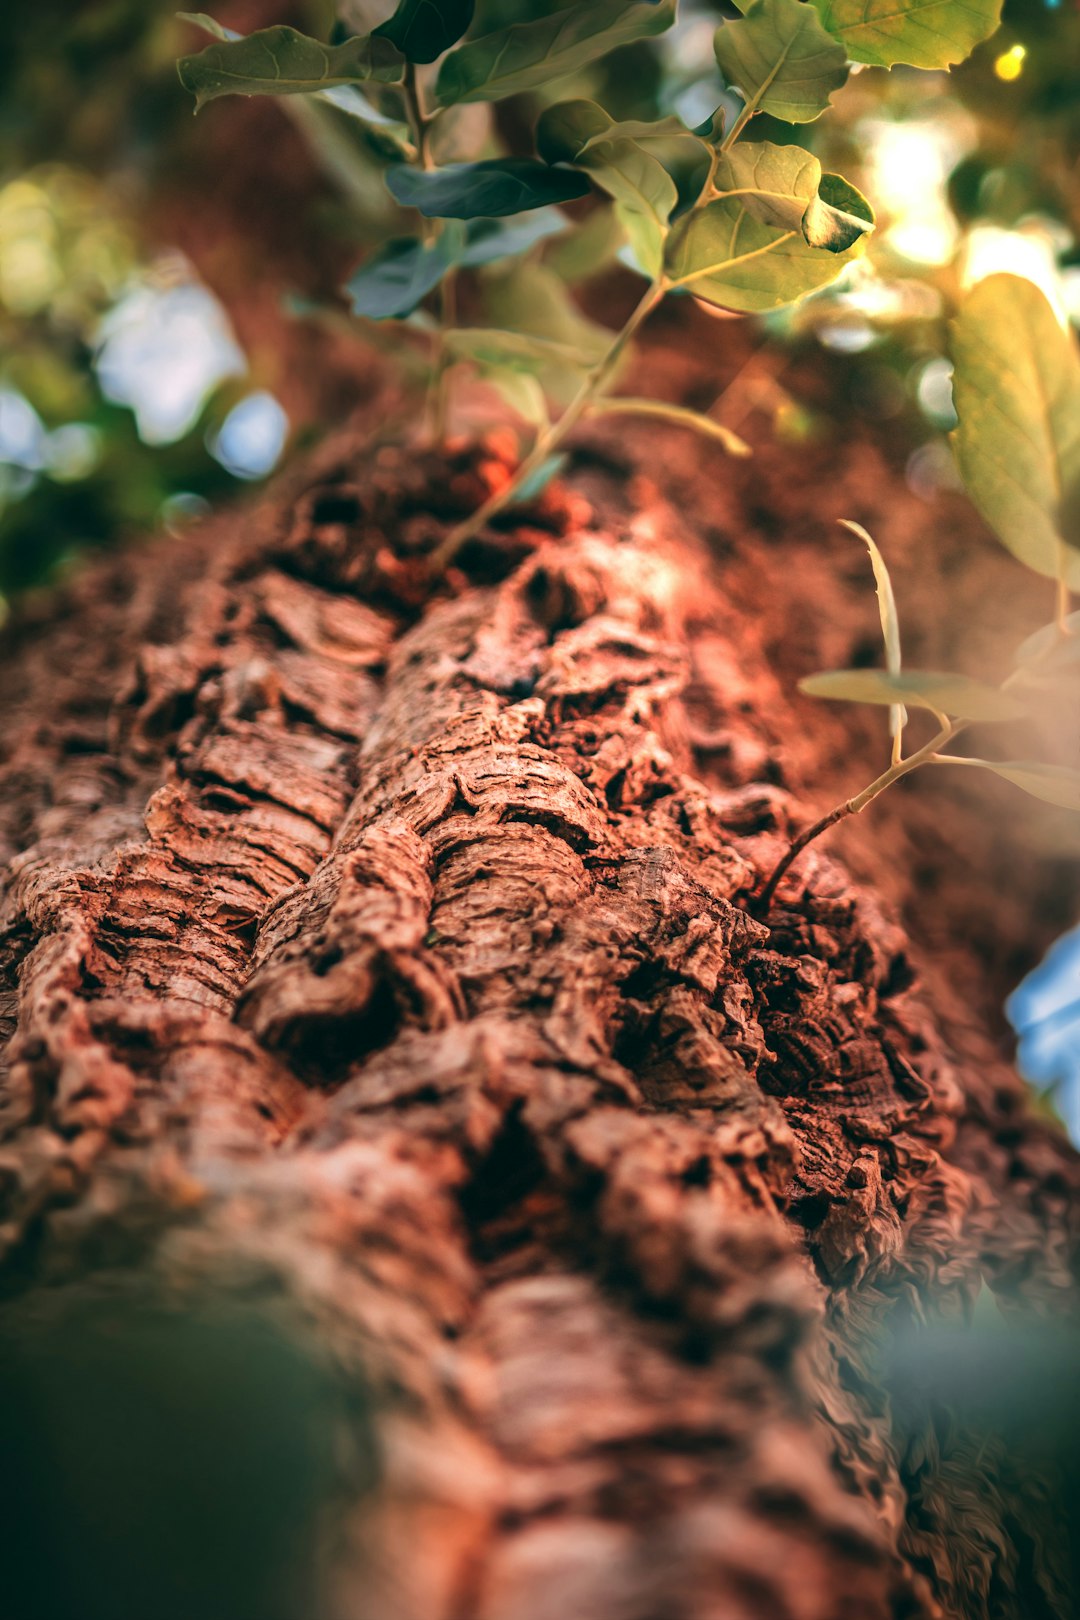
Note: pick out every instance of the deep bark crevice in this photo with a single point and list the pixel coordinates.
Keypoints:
(390, 952)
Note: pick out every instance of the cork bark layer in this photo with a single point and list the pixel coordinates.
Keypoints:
(390, 950)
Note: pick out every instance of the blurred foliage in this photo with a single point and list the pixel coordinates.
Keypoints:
(170, 1457)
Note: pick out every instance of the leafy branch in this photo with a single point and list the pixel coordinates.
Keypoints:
(746, 226)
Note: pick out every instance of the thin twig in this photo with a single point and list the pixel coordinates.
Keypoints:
(546, 443)
(854, 806)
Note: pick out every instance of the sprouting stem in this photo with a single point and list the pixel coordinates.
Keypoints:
(596, 381)
(852, 807)
(422, 122)
(419, 120)
(549, 440)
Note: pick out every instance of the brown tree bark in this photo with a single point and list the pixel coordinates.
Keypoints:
(390, 951)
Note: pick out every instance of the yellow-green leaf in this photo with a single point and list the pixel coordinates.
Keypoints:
(1016, 389)
(922, 33)
(781, 59)
(530, 54)
(282, 62)
(784, 186)
(521, 392)
(747, 251)
(491, 346)
(1056, 784)
(1055, 646)
(955, 695)
(581, 133)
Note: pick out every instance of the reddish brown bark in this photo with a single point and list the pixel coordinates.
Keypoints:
(391, 947)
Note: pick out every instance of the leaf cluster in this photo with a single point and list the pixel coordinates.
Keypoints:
(745, 225)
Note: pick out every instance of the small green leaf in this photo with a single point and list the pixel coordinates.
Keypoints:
(486, 190)
(954, 695)
(208, 24)
(491, 346)
(644, 193)
(389, 132)
(541, 478)
(781, 60)
(424, 29)
(1052, 647)
(922, 33)
(679, 415)
(734, 253)
(1056, 784)
(837, 216)
(890, 619)
(1016, 388)
(400, 275)
(534, 326)
(521, 392)
(487, 241)
(530, 54)
(530, 300)
(588, 248)
(281, 62)
(784, 186)
(712, 130)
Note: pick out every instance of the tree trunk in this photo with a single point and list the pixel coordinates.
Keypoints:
(389, 952)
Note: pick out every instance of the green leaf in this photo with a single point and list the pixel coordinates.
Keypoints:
(400, 275)
(530, 300)
(1052, 647)
(953, 695)
(784, 186)
(487, 240)
(534, 326)
(1016, 388)
(890, 619)
(580, 132)
(588, 248)
(922, 33)
(424, 29)
(781, 60)
(540, 479)
(492, 188)
(1056, 784)
(281, 62)
(621, 405)
(491, 346)
(530, 54)
(208, 24)
(347, 98)
(521, 392)
(712, 130)
(735, 252)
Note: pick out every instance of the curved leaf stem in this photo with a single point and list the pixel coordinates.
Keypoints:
(419, 120)
(853, 806)
(1064, 595)
(736, 130)
(619, 405)
(422, 123)
(547, 442)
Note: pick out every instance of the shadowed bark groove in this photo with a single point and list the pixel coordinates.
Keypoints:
(387, 952)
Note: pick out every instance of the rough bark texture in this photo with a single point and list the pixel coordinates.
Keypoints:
(391, 951)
